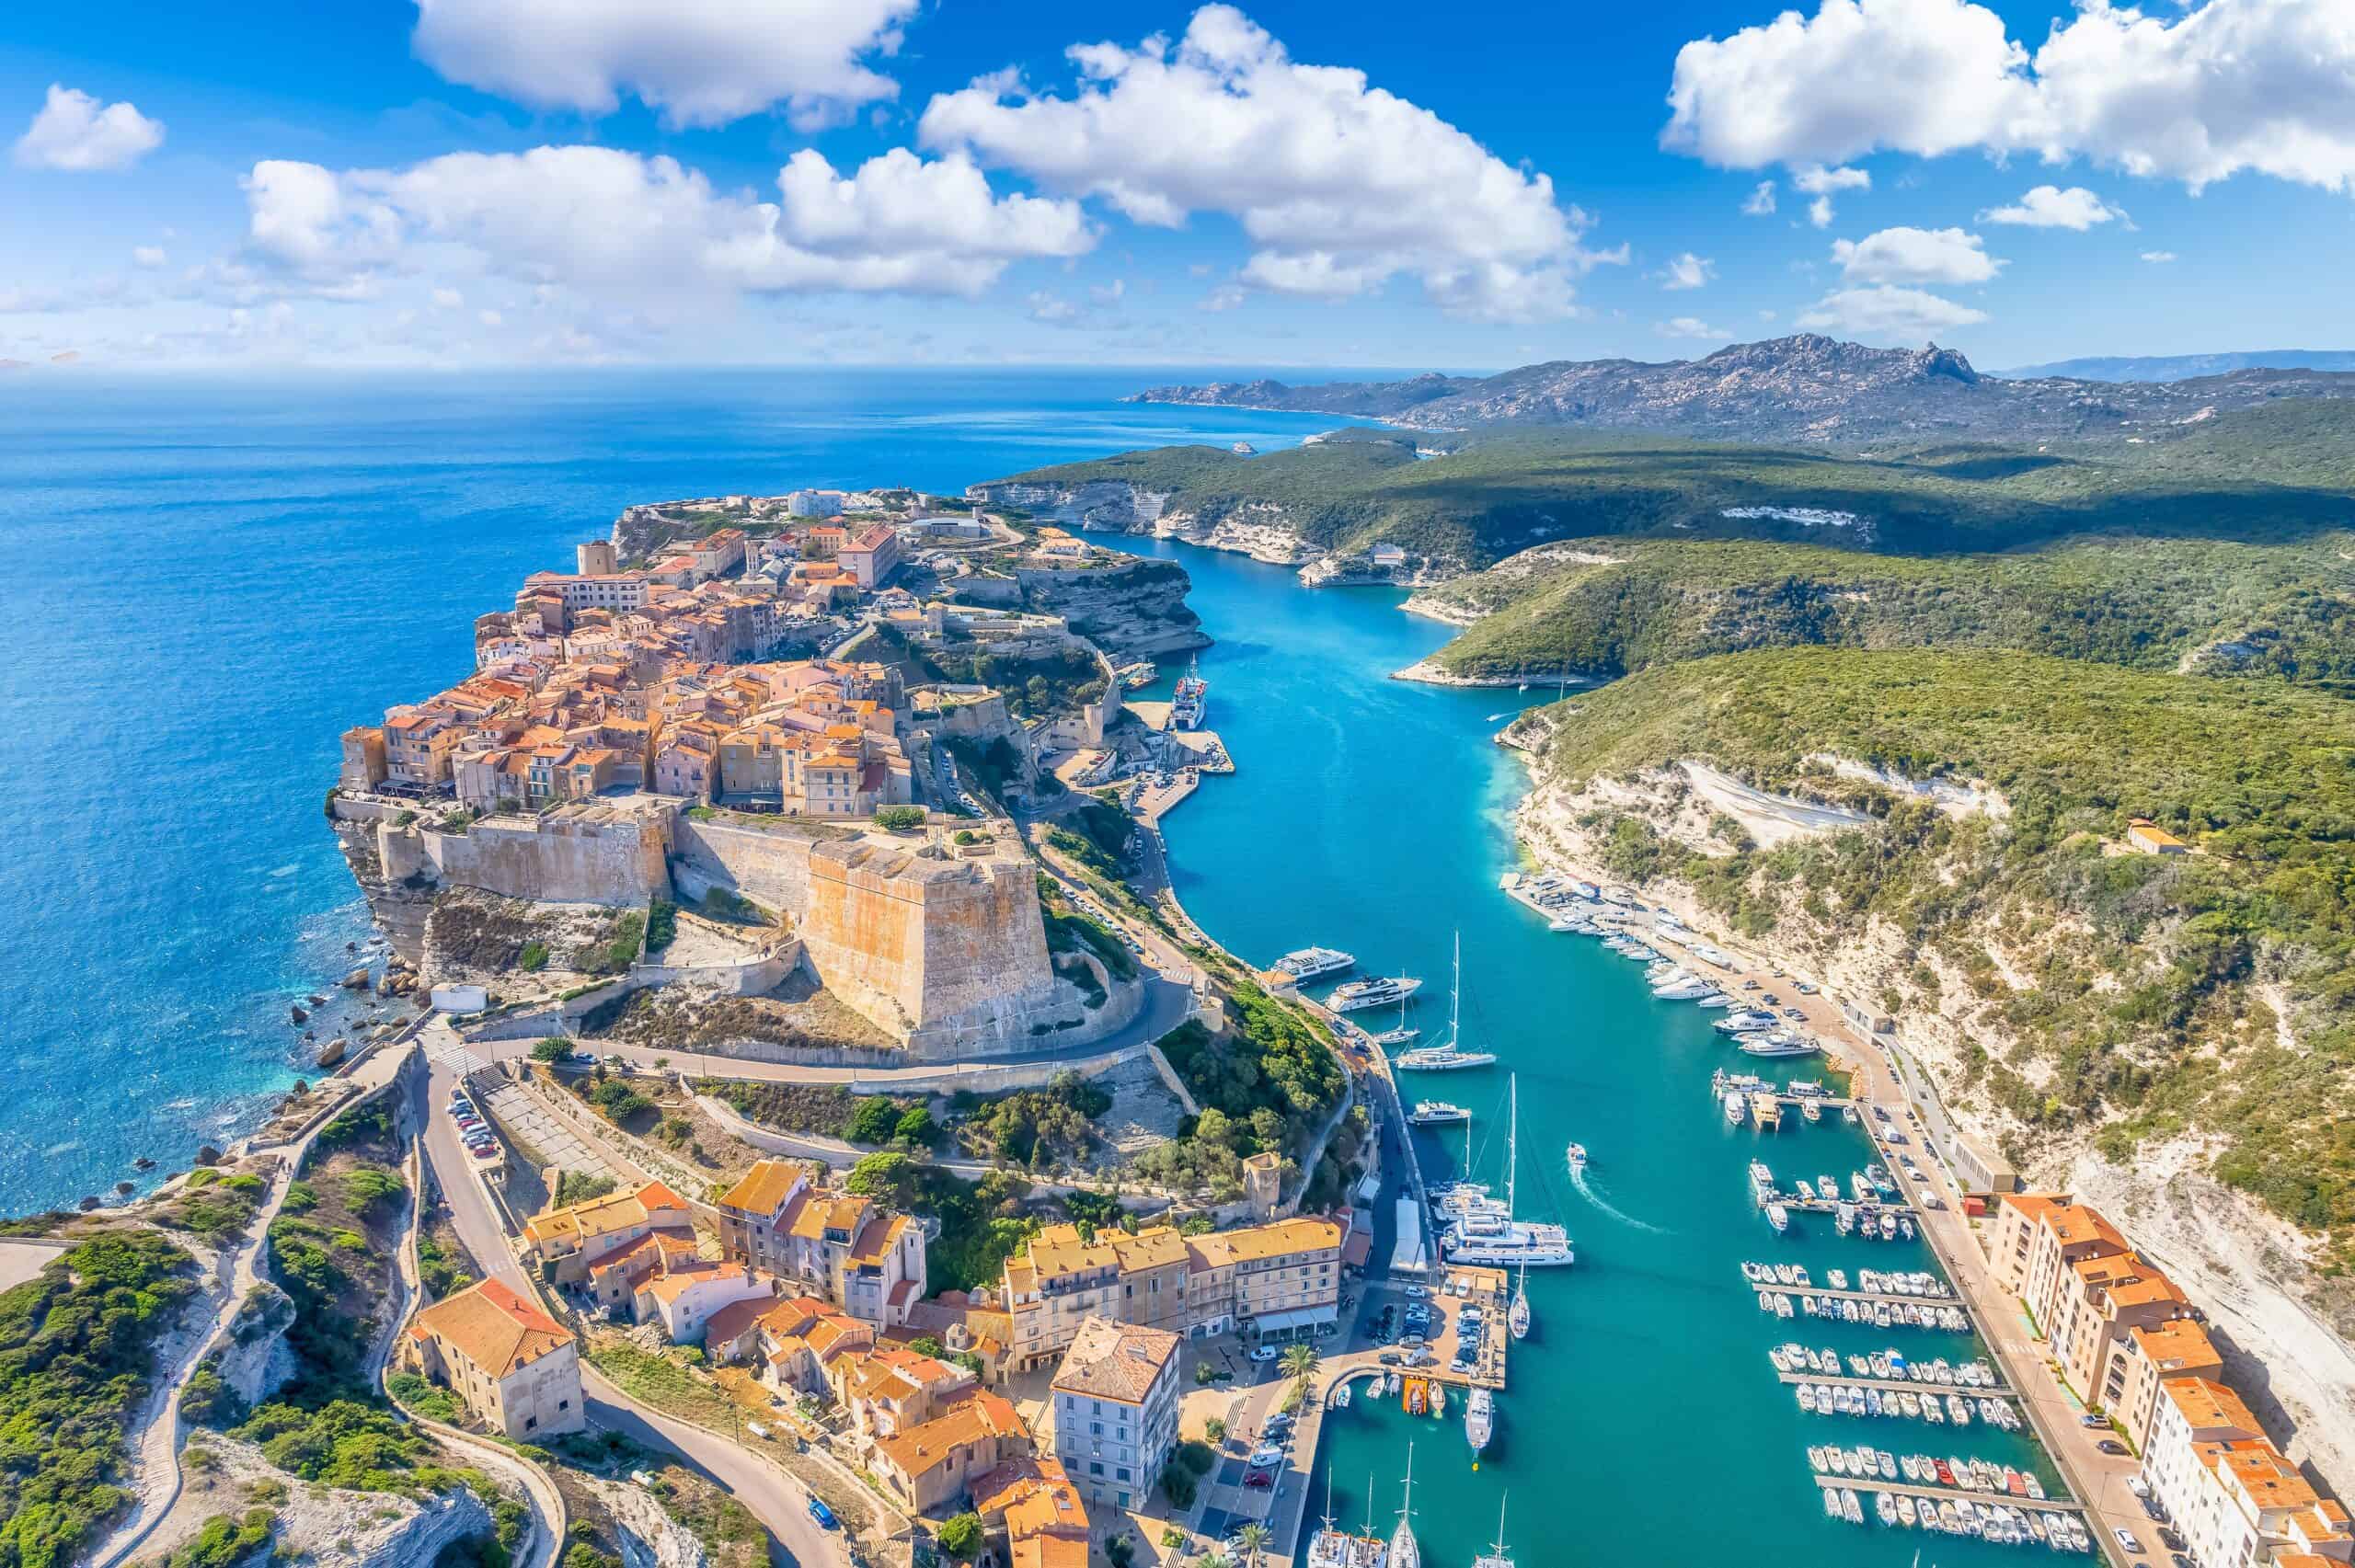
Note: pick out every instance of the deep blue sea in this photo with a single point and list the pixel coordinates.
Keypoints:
(203, 582)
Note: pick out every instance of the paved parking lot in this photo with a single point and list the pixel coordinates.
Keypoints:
(527, 1122)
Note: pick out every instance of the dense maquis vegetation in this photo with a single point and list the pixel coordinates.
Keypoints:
(1599, 608)
(77, 1357)
(2273, 474)
(2157, 1013)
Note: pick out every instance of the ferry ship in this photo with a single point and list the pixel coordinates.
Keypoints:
(1188, 702)
(1479, 1419)
(1377, 991)
(1308, 963)
(1437, 1113)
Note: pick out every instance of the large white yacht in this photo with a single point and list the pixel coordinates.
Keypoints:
(1488, 1233)
(1375, 991)
(1450, 1054)
(1310, 962)
(1479, 1419)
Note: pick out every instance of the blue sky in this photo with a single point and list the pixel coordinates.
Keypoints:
(697, 181)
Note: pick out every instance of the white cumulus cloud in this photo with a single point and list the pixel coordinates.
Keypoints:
(1687, 271)
(150, 256)
(1760, 204)
(1915, 255)
(1814, 179)
(698, 62)
(2158, 258)
(1692, 326)
(2050, 207)
(618, 224)
(73, 131)
(1886, 313)
(2224, 87)
(1339, 185)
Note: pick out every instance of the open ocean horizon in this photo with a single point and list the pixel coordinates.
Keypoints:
(208, 579)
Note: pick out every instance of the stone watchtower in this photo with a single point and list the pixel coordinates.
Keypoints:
(1263, 1185)
(596, 558)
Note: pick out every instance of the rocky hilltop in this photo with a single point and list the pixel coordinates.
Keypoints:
(1806, 387)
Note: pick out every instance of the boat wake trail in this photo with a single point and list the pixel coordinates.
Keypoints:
(1507, 713)
(1586, 1191)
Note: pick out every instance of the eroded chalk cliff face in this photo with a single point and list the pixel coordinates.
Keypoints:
(1135, 609)
(1264, 530)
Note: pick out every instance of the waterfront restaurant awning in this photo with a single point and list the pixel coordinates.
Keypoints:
(1298, 1318)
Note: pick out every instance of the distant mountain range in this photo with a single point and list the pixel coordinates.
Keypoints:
(1808, 388)
(2183, 367)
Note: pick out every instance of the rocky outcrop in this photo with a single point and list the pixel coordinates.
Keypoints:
(651, 1538)
(1134, 609)
(1264, 530)
(1800, 388)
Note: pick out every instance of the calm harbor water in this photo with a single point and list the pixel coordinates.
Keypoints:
(205, 581)
(1643, 1423)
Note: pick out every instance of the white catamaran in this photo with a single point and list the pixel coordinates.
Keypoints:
(1440, 1058)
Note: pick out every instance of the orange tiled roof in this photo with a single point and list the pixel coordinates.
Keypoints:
(493, 1327)
(2175, 1345)
(923, 1449)
(764, 1187)
(2207, 1405)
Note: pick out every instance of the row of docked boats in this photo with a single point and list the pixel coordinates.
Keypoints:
(1875, 1281)
(1871, 1314)
(1888, 1365)
(1926, 1470)
(1856, 1399)
(2003, 1524)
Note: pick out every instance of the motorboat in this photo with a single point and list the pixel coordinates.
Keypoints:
(1744, 1022)
(1577, 1156)
(1374, 990)
(1479, 1419)
(1437, 1113)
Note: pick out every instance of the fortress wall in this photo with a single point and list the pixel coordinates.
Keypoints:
(620, 861)
(770, 868)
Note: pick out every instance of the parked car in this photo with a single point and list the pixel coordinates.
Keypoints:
(1417, 1292)
(1266, 1456)
(819, 1512)
(2111, 1445)
(1263, 1352)
(2125, 1538)
(2134, 1483)
(1389, 1358)
(1804, 988)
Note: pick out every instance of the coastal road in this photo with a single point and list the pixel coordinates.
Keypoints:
(1167, 1005)
(775, 1499)
(158, 1442)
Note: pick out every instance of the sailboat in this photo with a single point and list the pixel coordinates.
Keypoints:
(1401, 1035)
(1333, 1547)
(1451, 1054)
(1496, 1557)
(1492, 1236)
(1518, 1318)
(1404, 1553)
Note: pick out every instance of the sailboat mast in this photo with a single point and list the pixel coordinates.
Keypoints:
(1455, 999)
(1513, 1143)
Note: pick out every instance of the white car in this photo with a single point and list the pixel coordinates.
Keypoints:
(1264, 1353)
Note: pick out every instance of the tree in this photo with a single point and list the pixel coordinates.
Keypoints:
(1214, 1128)
(874, 1121)
(917, 1129)
(1299, 1364)
(551, 1051)
(1251, 1537)
(1215, 1429)
(926, 1344)
(899, 819)
(961, 1536)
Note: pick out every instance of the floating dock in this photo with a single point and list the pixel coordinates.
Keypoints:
(1902, 1385)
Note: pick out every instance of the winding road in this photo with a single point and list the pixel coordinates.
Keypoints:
(777, 1500)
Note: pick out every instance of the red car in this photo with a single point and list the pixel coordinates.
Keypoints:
(1259, 1478)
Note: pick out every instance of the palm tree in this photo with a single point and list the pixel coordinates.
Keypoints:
(1251, 1537)
(1299, 1363)
(1215, 1557)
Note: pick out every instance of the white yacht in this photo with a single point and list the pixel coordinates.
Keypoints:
(1479, 1419)
(1744, 1022)
(1577, 1156)
(1437, 1113)
(1684, 988)
(1333, 1547)
(1440, 1057)
(1491, 1235)
(1779, 1043)
(1310, 962)
(1377, 991)
(1518, 1318)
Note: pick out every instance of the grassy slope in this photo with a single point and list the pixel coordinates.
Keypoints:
(2153, 1023)
(2271, 473)
(2287, 609)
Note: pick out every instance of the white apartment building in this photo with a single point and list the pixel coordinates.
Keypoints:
(1115, 1409)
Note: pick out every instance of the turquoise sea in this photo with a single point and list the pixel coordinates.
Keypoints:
(1642, 1422)
(203, 582)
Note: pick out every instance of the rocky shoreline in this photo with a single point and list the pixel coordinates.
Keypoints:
(2248, 1272)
